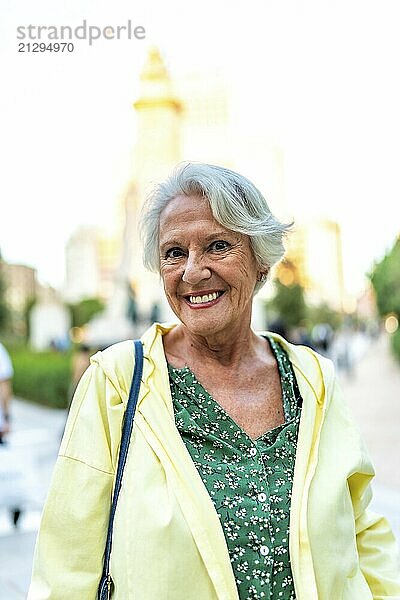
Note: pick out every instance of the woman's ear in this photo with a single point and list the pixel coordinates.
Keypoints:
(262, 275)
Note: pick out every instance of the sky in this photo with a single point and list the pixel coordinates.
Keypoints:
(319, 78)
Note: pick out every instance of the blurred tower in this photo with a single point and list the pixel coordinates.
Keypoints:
(206, 127)
(157, 151)
(315, 249)
(158, 132)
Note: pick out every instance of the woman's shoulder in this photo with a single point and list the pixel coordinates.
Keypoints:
(117, 363)
(317, 370)
(303, 355)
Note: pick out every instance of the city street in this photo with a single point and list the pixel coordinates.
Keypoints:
(372, 392)
(37, 432)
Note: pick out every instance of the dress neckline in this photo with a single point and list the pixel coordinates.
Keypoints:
(182, 372)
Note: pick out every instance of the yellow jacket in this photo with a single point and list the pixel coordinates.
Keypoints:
(168, 543)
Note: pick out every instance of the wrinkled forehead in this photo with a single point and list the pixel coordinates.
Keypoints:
(187, 213)
(185, 206)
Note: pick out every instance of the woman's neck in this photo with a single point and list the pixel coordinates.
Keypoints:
(185, 348)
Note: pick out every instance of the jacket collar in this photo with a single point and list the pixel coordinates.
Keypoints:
(314, 370)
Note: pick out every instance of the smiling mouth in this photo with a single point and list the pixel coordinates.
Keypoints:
(204, 299)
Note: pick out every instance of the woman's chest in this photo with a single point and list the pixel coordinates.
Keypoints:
(255, 404)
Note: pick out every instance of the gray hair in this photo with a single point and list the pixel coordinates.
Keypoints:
(235, 203)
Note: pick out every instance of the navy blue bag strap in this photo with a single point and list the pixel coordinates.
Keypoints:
(104, 589)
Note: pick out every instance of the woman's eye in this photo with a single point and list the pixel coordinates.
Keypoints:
(219, 245)
(174, 253)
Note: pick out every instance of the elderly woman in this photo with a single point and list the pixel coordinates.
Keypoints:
(246, 477)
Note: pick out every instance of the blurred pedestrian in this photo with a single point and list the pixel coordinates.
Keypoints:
(342, 350)
(79, 363)
(278, 326)
(321, 337)
(6, 375)
(300, 335)
(132, 311)
(155, 312)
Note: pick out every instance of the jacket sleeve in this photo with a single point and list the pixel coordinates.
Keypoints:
(70, 545)
(376, 544)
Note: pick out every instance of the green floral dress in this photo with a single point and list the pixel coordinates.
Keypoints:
(250, 482)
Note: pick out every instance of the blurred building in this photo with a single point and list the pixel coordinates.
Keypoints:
(20, 290)
(314, 255)
(21, 285)
(91, 262)
(36, 310)
(49, 321)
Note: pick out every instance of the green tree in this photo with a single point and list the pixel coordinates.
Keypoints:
(83, 311)
(385, 279)
(322, 313)
(288, 304)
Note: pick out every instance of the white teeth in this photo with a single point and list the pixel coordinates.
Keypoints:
(203, 299)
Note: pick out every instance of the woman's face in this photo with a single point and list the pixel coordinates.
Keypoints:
(209, 272)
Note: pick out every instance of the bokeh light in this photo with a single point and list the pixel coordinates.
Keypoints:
(391, 324)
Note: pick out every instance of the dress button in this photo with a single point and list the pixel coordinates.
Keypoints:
(264, 550)
(253, 451)
(262, 497)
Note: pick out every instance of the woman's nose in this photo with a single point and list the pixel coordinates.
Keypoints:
(195, 270)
